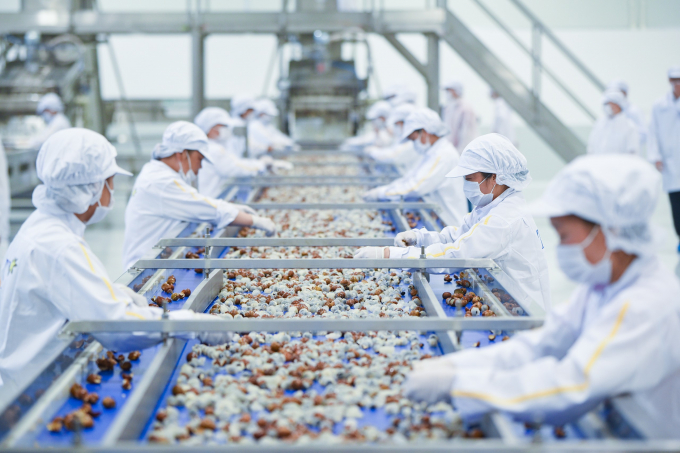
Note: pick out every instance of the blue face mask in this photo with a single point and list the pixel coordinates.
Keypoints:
(475, 195)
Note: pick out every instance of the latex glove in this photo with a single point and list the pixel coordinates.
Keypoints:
(263, 223)
(430, 382)
(211, 338)
(245, 208)
(266, 160)
(406, 239)
(371, 253)
(138, 299)
(279, 164)
(373, 195)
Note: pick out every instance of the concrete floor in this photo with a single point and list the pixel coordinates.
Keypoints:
(106, 237)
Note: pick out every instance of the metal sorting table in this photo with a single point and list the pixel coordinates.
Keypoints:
(124, 428)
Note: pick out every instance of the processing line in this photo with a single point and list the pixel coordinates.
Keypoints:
(221, 272)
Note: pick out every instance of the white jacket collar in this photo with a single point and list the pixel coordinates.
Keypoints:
(48, 206)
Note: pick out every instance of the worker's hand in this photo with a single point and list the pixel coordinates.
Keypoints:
(371, 253)
(373, 195)
(430, 381)
(245, 208)
(265, 224)
(659, 165)
(406, 239)
(278, 164)
(266, 160)
(138, 299)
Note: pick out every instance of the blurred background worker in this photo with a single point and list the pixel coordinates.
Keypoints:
(495, 174)
(5, 202)
(51, 110)
(631, 110)
(399, 94)
(600, 207)
(400, 153)
(614, 133)
(459, 116)
(265, 132)
(427, 174)
(224, 161)
(377, 133)
(50, 275)
(242, 109)
(163, 197)
(502, 118)
(663, 142)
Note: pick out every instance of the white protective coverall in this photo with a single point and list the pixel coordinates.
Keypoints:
(400, 153)
(501, 230)
(663, 141)
(223, 162)
(5, 202)
(161, 199)
(377, 133)
(585, 352)
(614, 133)
(262, 134)
(427, 177)
(502, 119)
(632, 111)
(459, 117)
(54, 123)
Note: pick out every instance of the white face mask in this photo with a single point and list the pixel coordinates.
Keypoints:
(475, 195)
(397, 130)
(378, 123)
(420, 146)
(608, 110)
(266, 120)
(101, 211)
(223, 134)
(573, 262)
(47, 117)
(189, 177)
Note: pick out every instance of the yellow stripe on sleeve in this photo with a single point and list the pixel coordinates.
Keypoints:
(193, 194)
(106, 281)
(465, 236)
(136, 315)
(556, 390)
(420, 182)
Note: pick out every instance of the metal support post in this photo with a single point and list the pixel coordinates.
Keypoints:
(95, 109)
(432, 71)
(536, 34)
(197, 66)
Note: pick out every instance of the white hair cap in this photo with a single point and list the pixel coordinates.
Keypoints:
(401, 112)
(73, 165)
(241, 104)
(618, 84)
(424, 118)
(380, 108)
(266, 107)
(615, 96)
(674, 72)
(616, 191)
(454, 84)
(179, 136)
(50, 101)
(494, 153)
(210, 117)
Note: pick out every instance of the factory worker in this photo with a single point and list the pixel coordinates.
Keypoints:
(5, 202)
(631, 111)
(264, 131)
(377, 134)
(502, 118)
(243, 106)
(614, 133)
(459, 116)
(50, 276)
(613, 339)
(163, 197)
(51, 109)
(427, 177)
(663, 142)
(224, 161)
(494, 174)
(399, 94)
(400, 153)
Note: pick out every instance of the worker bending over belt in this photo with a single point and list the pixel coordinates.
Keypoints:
(400, 153)
(498, 227)
(615, 338)
(50, 275)
(51, 110)
(225, 161)
(163, 196)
